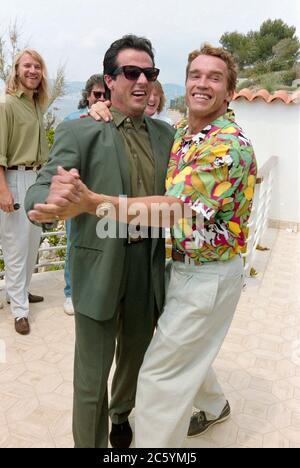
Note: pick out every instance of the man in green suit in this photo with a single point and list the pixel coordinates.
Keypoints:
(117, 283)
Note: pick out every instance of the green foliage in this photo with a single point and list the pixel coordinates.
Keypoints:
(260, 68)
(245, 84)
(179, 104)
(57, 241)
(285, 54)
(268, 82)
(275, 41)
(271, 33)
(274, 48)
(50, 137)
(2, 265)
(61, 254)
(237, 44)
(276, 28)
(55, 267)
(289, 76)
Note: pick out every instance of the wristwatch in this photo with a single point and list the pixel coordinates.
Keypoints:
(103, 209)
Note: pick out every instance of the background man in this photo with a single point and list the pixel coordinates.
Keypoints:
(94, 91)
(117, 283)
(23, 149)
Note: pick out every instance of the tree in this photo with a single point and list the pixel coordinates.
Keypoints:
(9, 46)
(274, 47)
(285, 53)
(277, 28)
(179, 104)
(6, 61)
(238, 45)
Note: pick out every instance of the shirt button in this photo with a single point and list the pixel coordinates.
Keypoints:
(128, 120)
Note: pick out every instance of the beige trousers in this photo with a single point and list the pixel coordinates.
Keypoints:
(20, 241)
(177, 371)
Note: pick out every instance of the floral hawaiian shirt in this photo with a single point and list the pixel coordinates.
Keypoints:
(214, 173)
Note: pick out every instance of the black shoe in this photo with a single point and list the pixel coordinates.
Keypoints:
(33, 298)
(199, 424)
(120, 435)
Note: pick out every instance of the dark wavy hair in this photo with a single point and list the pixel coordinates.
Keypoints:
(126, 42)
(86, 92)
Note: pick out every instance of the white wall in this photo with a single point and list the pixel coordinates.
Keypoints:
(274, 129)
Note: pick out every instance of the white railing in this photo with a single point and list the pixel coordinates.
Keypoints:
(44, 264)
(259, 218)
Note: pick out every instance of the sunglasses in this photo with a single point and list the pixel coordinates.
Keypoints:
(99, 94)
(132, 73)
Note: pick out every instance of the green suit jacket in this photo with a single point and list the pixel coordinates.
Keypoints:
(97, 151)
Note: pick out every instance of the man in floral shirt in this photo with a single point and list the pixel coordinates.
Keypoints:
(212, 169)
(212, 173)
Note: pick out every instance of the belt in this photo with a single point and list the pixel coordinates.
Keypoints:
(24, 168)
(135, 240)
(184, 258)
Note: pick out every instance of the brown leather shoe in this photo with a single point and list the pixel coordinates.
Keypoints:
(22, 326)
(33, 299)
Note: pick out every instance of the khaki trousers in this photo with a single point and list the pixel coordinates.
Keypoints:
(177, 370)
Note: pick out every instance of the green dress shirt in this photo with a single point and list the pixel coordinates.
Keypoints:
(22, 134)
(138, 149)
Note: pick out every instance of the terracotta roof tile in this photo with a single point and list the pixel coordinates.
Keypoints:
(246, 93)
(262, 93)
(296, 97)
(283, 96)
(286, 98)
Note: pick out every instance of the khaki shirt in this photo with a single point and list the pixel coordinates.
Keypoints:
(22, 135)
(138, 149)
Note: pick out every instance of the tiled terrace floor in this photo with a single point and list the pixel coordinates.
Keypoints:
(258, 366)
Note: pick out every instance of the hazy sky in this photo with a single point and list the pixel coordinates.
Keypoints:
(78, 32)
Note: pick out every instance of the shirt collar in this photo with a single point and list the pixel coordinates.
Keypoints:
(219, 122)
(119, 118)
(19, 93)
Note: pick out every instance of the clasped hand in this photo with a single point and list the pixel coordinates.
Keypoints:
(66, 199)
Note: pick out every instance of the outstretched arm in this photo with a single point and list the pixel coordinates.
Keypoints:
(157, 211)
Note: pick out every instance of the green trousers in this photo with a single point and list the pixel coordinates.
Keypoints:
(131, 329)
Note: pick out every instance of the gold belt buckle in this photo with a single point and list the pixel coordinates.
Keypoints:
(134, 240)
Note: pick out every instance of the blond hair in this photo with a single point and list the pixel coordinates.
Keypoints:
(13, 84)
(222, 54)
(162, 101)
